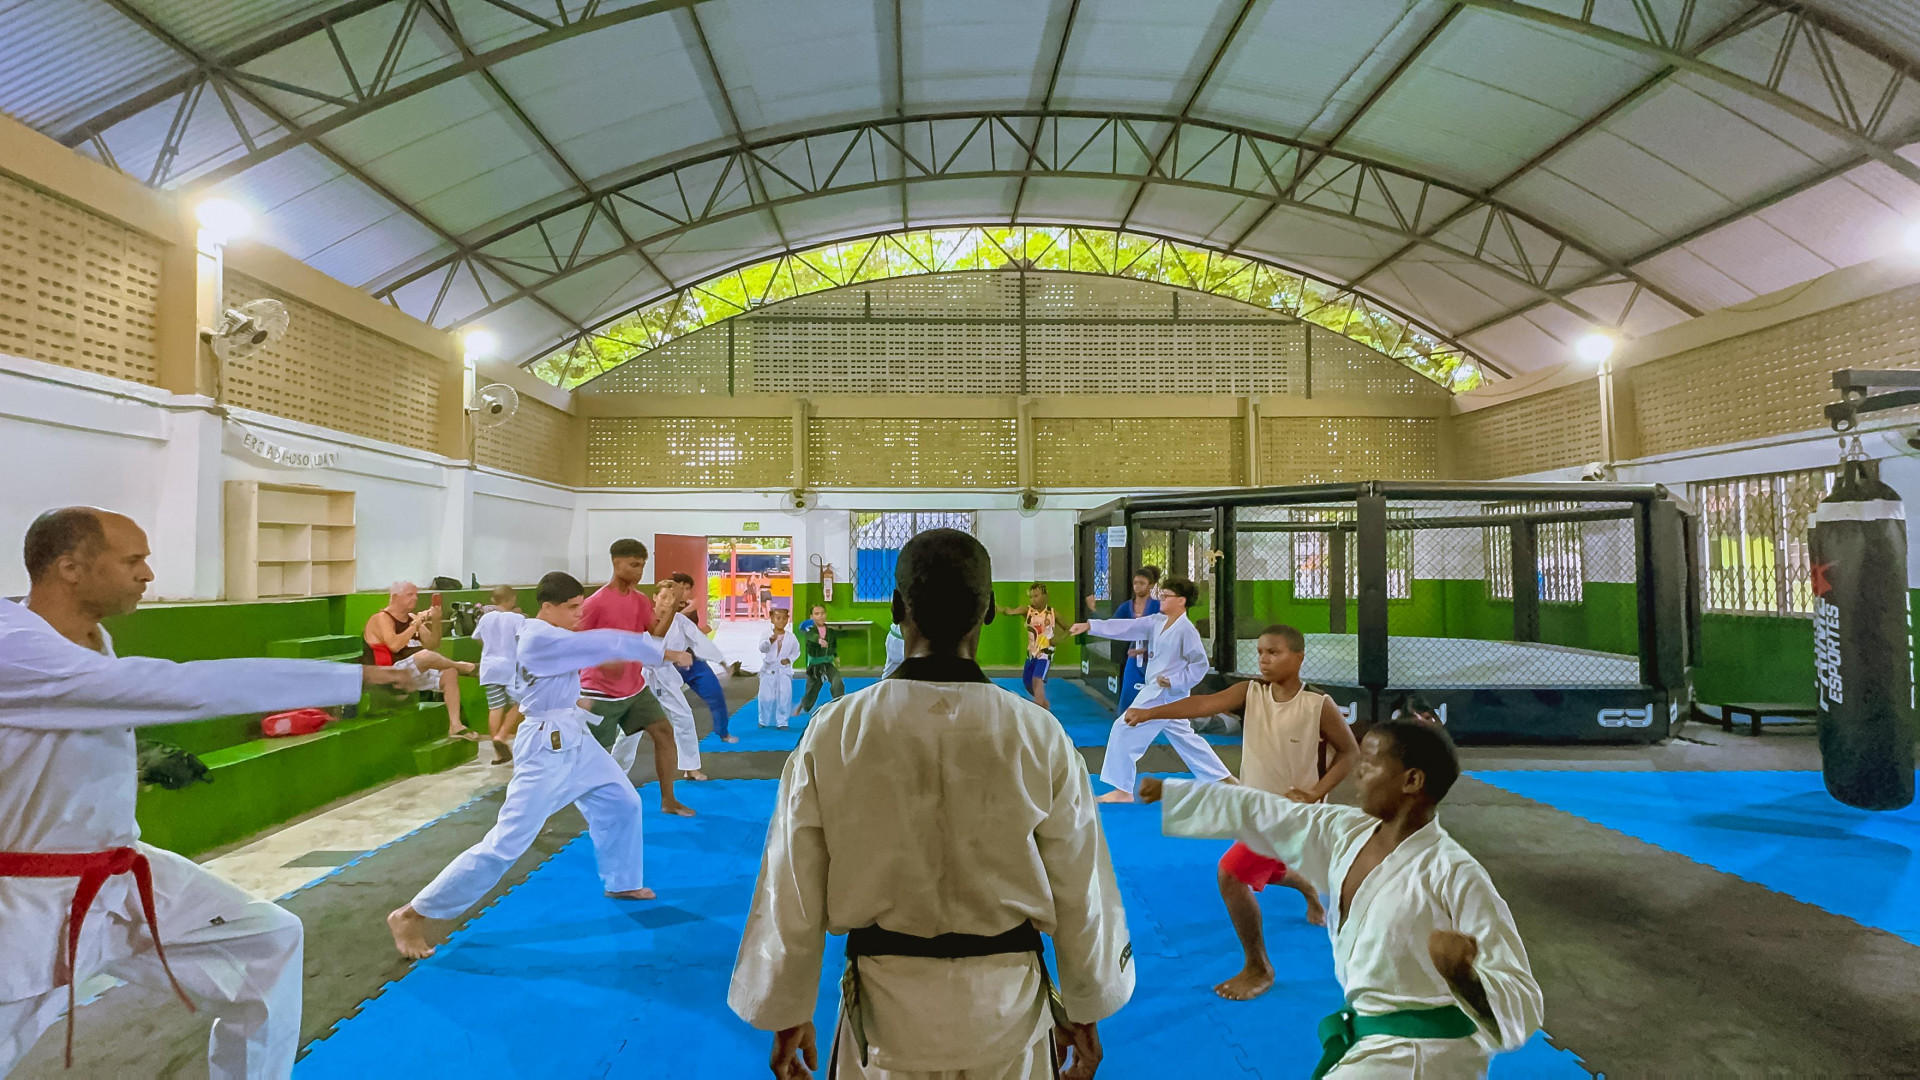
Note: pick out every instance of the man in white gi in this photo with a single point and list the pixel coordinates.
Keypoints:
(669, 685)
(1176, 662)
(74, 893)
(1435, 975)
(943, 824)
(556, 761)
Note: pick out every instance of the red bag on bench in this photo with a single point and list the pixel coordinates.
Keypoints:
(296, 722)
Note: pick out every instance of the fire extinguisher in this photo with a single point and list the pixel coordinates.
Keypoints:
(826, 578)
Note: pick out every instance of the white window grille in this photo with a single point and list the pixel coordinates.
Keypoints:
(1754, 531)
(878, 537)
(1557, 556)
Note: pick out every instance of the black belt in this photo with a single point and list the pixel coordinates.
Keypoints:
(874, 941)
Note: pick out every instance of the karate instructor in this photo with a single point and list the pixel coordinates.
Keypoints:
(943, 824)
(68, 709)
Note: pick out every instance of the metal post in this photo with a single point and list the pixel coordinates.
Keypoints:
(1336, 581)
(1606, 411)
(1526, 582)
(1370, 530)
(1225, 636)
(730, 323)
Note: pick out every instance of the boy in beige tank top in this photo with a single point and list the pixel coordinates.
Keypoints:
(1280, 753)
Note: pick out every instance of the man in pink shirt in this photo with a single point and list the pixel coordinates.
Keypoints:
(617, 692)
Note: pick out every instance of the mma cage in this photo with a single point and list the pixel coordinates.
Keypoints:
(1516, 612)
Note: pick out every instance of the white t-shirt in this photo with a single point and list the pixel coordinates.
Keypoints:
(498, 632)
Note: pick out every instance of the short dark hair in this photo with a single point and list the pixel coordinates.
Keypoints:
(1295, 640)
(1151, 573)
(944, 580)
(628, 548)
(1186, 590)
(1423, 745)
(558, 588)
(1036, 585)
(70, 530)
(684, 579)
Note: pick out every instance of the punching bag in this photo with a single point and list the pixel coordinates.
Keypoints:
(1862, 645)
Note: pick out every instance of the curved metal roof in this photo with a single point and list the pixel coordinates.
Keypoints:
(1508, 172)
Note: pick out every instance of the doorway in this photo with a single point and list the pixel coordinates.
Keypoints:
(748, 576)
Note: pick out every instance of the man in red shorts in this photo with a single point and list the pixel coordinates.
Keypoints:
(1285, 723)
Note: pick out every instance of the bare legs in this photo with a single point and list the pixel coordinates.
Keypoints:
(1243, 907)
(501, 724)
(450, 672)
(666, 766)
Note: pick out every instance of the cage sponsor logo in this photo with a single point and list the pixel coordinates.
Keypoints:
(1113, 683)
(1633, 718)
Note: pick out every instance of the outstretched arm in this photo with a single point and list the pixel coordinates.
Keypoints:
(553, 654)
(1116, 629)
(1232, 699)
(1275, 827)
(48, 683)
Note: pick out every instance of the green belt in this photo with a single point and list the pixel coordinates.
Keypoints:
(1339, 1031)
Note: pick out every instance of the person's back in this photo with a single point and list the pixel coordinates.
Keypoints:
(943, 825)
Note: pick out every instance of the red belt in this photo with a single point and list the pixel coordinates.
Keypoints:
(93, 869)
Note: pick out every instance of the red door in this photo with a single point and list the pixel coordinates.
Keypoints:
(684, 555)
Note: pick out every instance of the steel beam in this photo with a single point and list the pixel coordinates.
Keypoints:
(1186, 111)
(1046, 103)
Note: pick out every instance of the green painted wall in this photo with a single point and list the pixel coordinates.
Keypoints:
(1002, 644)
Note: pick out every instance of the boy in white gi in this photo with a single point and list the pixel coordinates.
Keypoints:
(669, 685)
(499, 632)
(68, 777)
(556, 761)
(1285, 724)
(1436, 977)
(1176, 662)
(777, 655)
(943, 824)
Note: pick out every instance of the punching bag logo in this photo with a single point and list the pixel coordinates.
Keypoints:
(1826, 642)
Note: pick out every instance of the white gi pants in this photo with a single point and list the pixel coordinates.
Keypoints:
(244, 971)
(776, 698)
(579, 771)
(686, 737)
(984, 1013)
(1125, 744)
(1384, 1057)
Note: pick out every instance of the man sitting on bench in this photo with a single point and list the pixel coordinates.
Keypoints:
(398, 636)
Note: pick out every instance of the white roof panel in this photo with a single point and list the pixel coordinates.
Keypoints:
(990, 54)
(1139, 54)
(1279, 79)
(800, 63)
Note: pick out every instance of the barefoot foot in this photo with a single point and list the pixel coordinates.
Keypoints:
(632, 894)
(692, 774)
(1116, 796)
(409, 929)
(729, 738)
(1316, 913)
(1246, 986)
(502, 752)
(678, 809)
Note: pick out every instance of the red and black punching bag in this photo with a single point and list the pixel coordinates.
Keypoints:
(1862, 640)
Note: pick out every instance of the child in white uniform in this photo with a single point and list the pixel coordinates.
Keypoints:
(557, 761)
(499, 634)
(777, 655)
(1176, 662)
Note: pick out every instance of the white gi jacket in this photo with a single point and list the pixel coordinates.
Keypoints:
(1172, 650)
(772, 655)
(928, 808)
(550, 659)
(1380, 954)
(684, 636)
(68, 777)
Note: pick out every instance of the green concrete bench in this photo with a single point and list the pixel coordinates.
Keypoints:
(263, 782)
(320, 647)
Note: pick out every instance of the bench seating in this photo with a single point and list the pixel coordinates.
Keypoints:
(1754, 710)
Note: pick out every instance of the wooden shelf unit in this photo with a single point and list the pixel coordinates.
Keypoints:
(288, 540)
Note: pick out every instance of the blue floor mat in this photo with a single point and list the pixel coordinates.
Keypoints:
(557, 980)
(1085, 718)
(1777, 829)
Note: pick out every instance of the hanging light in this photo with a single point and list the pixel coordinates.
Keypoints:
(223, 219)
(1595, 346)
(479, 344)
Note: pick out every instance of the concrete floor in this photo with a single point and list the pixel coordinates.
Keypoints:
(1653, 965)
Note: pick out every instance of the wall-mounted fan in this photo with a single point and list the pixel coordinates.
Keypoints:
(243, 330)
(799, 501)
(1029, 503)
(492, 405)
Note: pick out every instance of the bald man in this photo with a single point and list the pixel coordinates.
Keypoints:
(403, 638)
(79, 894)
